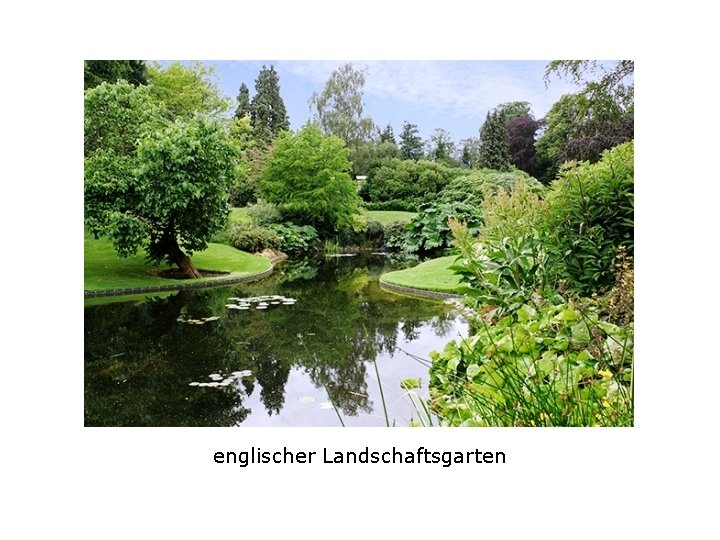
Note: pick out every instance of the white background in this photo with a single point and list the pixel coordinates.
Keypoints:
(60, 479)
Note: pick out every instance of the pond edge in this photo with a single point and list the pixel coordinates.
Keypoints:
(213, 282)
(412, 291)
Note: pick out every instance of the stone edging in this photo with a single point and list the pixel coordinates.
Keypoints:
(418, 292)
(213, 282)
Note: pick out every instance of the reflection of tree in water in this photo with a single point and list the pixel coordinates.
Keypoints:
(341, 321)
(139, 361)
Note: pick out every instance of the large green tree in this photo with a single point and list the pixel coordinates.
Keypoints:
(187, 89)
(110, 71)
(494, 143)
(165, 192)
(411, 144)
(338, 109)
(307, 177)
(117, 115)
(268, 114)
(600, 116)
(387, 135)
(441, 147)
(243, 102)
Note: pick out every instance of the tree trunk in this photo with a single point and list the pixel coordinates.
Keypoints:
(182, 261)
(186, 266)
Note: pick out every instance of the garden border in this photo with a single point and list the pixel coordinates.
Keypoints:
(213, 282)
(412, 291)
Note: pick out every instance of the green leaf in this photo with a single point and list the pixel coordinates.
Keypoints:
(580, 333)
(472, 371)
(409, 383)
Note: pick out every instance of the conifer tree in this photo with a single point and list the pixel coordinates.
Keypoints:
(411, 144)
(494, 143)
(243, 102)
(268, 114)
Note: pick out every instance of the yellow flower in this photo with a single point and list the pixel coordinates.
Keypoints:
(605, 373)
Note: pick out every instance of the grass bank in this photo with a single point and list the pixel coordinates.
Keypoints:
(104, 270)
(433, 275)
(388, 216)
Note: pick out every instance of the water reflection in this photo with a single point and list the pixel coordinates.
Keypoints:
(140, 360)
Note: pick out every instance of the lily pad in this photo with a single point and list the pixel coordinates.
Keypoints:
(306, 399)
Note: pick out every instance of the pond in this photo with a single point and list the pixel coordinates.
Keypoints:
(300, 348)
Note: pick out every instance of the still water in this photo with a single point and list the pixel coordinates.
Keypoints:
(189, 359)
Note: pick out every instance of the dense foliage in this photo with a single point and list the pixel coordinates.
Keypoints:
(167, 193)
(590, 215)
(395, 184)
(430, 229)
(268, 114)
(513, 213)
(186, 90)
(582, 126)
(307, 178)
(471, 187)
(295, 238)
(254, 239)
(541, 355)
(411, 144)
(547, 365)
(111, 71)
(494, 153)
(117, 116)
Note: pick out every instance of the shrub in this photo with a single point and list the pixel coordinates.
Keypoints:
(429, 229)
(395, 234)
(396, 184)
(254, 239)
(472, 187)
(375, 234)
(263, 213)
(589, 216)
(510, 214)
(295, 238)
(307, 178)
(242, 192)
(501, 275)
(394, 204)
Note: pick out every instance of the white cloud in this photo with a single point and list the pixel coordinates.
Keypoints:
(453, 88)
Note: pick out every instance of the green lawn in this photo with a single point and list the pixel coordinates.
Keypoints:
(433, 275)
(239, 216)
(103, 269)
(388, 216)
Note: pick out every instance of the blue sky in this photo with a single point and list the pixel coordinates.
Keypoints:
(454, 95)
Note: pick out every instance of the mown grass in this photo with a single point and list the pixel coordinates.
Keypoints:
(388, 216)
(432, 275)
(104, 270)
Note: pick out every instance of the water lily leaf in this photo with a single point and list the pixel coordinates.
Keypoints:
(244, 373)
(208, 319)
(306, 399)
